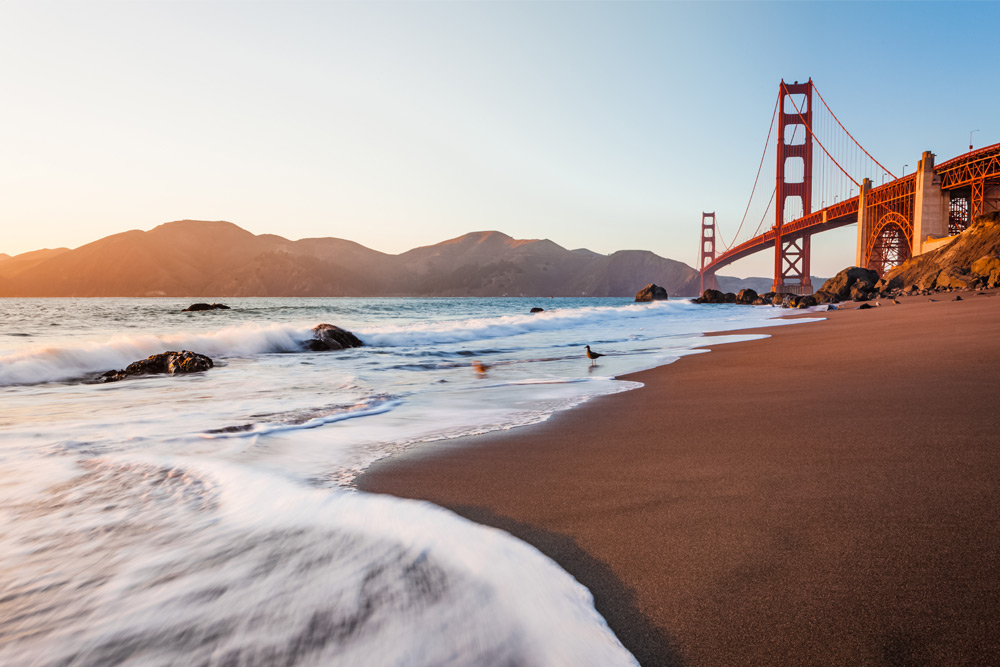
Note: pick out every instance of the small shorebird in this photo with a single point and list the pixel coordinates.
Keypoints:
(593, 355)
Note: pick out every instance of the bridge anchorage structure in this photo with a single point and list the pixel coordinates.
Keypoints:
(818, 161)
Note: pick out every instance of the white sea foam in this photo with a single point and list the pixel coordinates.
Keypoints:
(430, 333)
(175, 548)
(53, 363)
(252, 569)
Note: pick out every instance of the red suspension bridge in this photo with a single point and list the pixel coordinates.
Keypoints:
(818, 161)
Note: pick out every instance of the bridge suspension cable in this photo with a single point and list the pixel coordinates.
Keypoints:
(837, 168)
(760, 167)
(819, 143)
(848, 133)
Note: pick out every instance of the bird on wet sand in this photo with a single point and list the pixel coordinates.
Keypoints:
(593, 355)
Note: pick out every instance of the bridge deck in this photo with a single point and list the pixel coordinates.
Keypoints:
(955, 173)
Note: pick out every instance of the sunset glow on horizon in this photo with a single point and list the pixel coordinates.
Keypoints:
(601, 125)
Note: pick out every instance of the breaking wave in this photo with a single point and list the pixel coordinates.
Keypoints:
(57, 363)
(167, 564)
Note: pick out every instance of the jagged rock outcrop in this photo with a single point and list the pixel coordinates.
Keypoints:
(969, 260)
(854, 283)
(746, 296)
(170, 363)
(330, 337)
(651, 292)
(987, 268)
(955, 278)
(196, 307)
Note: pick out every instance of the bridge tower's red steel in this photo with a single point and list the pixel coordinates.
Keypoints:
(707, 253)
(791, 255)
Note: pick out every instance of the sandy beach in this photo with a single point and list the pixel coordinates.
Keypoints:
(827, 495)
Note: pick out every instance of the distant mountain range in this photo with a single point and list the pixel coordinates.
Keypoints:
(219, 259)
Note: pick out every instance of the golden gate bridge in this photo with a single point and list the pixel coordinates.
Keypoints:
(818, 161)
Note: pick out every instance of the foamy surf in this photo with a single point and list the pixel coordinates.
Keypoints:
(208, 519)
(55, 363)
(251, 569)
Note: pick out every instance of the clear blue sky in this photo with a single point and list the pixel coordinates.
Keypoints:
(600, 125)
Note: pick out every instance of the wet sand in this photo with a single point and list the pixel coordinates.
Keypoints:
(828, 495)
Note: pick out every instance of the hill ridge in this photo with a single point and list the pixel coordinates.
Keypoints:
(221, 259)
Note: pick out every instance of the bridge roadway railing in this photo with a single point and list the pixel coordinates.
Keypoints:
(980, 164)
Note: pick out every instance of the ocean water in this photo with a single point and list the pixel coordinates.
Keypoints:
(210, 520)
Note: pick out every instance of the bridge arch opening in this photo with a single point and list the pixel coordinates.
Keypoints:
(890, 243)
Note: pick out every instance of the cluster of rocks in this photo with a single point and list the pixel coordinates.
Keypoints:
(857, 284)
(169, 363)
(330, 337)
(749, 297)
(195, 307)
(854, 284)
(651, 292)
(984, 273)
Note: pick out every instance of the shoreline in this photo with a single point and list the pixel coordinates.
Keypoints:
(814, 516)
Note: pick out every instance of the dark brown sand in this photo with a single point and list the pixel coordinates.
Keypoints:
(830, 495)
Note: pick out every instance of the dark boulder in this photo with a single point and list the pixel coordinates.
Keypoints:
(537, 310)
(865, 306)
(651, 292)
(196, 307)
(730, 297)
(839, 288)
(807, 301)
(330, 337)
(746, 296)
(169, 363)
(761, 301)
(791, 301)
(711, 296)
(861, 291)
(885, 286)
(778, 299)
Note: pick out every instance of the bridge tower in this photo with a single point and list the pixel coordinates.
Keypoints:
(795, 142)
(707, 253)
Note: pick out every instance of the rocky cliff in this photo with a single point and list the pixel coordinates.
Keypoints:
(972, 259)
